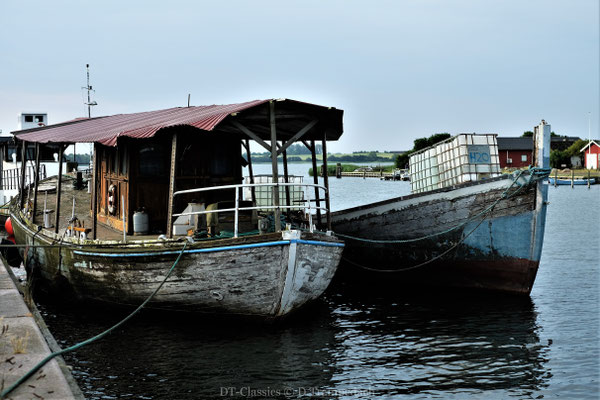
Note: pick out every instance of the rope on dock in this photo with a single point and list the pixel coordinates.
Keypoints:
(535, 174)
(92, 339)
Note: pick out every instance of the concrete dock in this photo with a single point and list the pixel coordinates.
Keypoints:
(25, 341)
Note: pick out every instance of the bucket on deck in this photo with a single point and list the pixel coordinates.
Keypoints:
(141, 223)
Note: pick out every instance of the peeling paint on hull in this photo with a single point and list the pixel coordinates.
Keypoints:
(501, 254)
(259, 276)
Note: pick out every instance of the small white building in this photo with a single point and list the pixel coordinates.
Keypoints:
(29, 120)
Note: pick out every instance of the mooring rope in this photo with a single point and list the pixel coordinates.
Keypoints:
(462, 239)
(535, 174)
(92, 339)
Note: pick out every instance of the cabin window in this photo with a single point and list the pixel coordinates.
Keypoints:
(152, 161)
(524, 157)
(222, 162)
(111, 161)
(29, 118)
(39, 118)
(122, 162)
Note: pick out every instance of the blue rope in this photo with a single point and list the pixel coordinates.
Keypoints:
(534, 174)
(93, 339)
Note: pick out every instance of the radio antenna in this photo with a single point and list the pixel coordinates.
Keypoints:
(89, 89)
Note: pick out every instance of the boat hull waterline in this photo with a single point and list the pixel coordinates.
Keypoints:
(499, 250)
(268, 275)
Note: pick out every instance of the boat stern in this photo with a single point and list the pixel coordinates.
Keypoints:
(312, 262)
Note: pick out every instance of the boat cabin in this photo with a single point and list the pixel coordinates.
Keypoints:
(178, 171)
(135, 174)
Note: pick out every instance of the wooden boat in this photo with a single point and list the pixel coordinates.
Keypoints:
(486, 234)
(569, 181)
(183, 166)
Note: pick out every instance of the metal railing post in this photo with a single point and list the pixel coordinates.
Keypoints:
(310, 223)
(236, 209)
(237, 212)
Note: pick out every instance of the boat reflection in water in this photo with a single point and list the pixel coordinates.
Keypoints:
(360, 342)
(443, 345)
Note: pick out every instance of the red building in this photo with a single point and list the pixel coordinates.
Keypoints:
(592, 155)
(515, 152)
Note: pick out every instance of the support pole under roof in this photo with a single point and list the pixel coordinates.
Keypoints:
(274, 166)
(61, 151)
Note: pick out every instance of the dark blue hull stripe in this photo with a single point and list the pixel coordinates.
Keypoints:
(208, 250)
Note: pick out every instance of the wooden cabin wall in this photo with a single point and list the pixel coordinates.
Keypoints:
(139, 169)
(207, 159)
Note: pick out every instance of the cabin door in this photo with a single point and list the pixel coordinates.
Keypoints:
(114, 189)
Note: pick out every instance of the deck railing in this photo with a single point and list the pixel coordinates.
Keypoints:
(307, 206)
(11, 178)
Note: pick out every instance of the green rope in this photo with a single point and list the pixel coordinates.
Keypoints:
(93, 339)
(424, 262)
(535, 174)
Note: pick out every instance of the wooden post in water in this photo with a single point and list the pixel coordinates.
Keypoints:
(555, 177)
(61, 151)
(338, 170)
(572, 179)
(589, 179)
(277, 213)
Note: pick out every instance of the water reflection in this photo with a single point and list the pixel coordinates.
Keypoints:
(398, 344)
(162, 356)
(386, 343)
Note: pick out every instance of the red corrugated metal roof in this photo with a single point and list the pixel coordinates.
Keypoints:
(106, 130)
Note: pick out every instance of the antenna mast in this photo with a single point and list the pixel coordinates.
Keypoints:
(89, 89)
(89, 103)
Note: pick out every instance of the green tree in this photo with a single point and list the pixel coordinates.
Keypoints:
(420, 144)
(558, 158)
(438, 137)
(575, 150)
(527, 134)
(402, 159)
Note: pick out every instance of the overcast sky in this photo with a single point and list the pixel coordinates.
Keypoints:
(399, 69)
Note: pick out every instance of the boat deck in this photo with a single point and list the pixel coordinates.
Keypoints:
(83, 210)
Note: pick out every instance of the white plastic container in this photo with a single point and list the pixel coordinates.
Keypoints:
(464, 158)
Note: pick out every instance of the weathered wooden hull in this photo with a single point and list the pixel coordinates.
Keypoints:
(264, 275)
(501, 252)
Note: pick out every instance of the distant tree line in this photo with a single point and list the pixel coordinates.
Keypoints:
(81, 159)
(356, 158)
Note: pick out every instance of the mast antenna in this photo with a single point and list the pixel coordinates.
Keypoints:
(89, 89)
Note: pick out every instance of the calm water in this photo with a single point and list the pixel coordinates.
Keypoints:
(369, 342)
